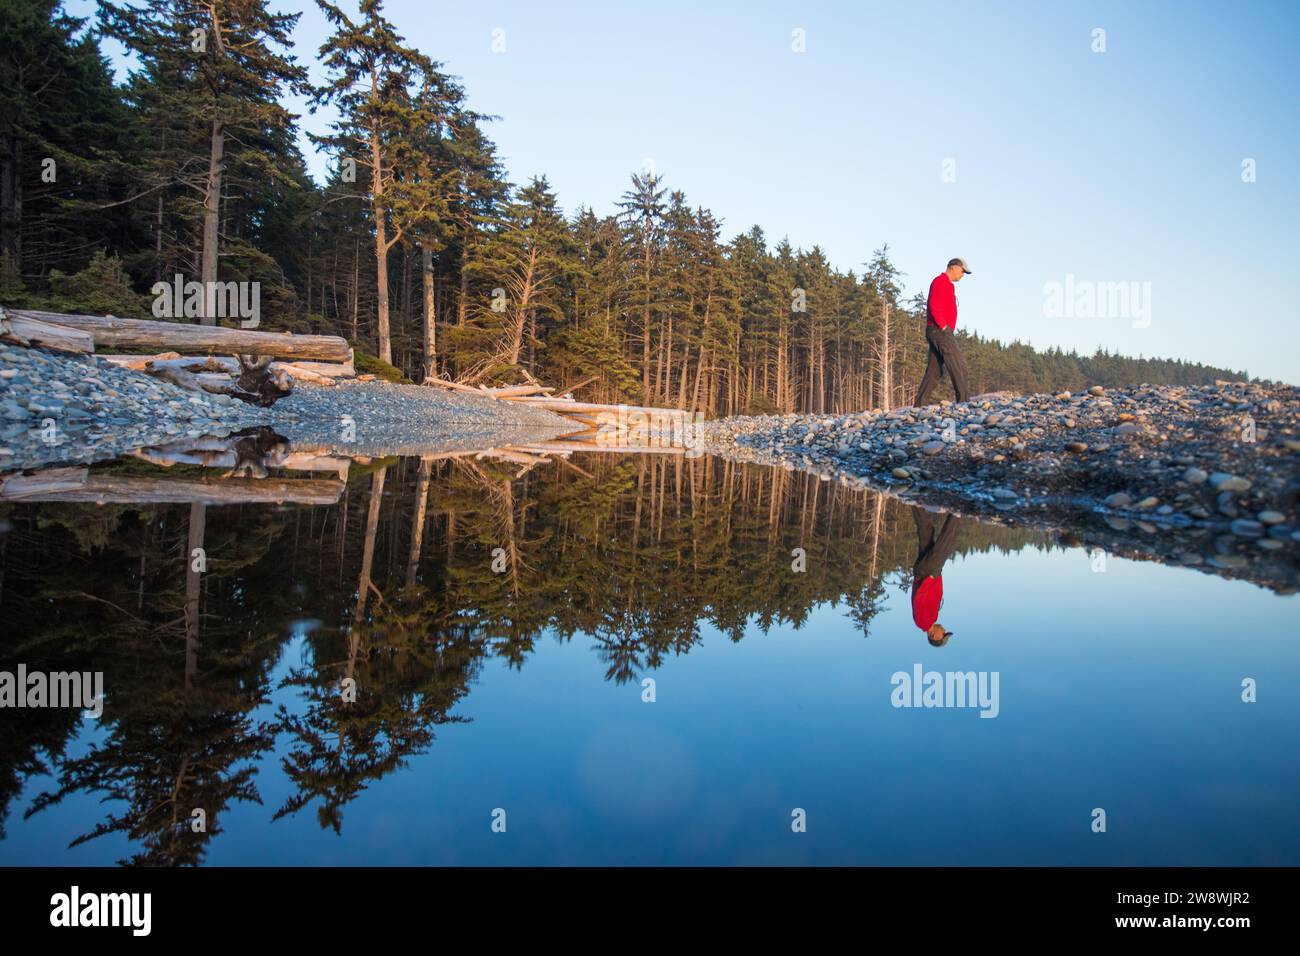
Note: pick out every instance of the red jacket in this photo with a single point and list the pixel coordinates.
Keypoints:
(926, 599)
(941, 306)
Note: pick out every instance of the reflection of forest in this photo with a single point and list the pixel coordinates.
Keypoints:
(632, 553)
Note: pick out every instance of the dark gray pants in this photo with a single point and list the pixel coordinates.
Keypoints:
(945, 355)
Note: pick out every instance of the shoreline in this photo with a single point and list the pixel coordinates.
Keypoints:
(1156, 472)
(1149, 472)
(59, 409)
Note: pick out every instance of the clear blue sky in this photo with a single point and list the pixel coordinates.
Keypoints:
(1122, 166)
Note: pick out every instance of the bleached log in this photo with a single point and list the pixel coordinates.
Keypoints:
(320, 373)
(513, 391)
(325, 369)
(139, 363)
(574, 388)
(27, 331)
(454, 386)
(116, 332)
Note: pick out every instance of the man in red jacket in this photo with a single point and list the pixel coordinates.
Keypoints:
(941, 320)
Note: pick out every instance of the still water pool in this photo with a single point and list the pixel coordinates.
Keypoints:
(633, 659)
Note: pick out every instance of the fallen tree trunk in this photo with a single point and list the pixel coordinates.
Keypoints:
(320, 373)
(26, 331)
(573, 388)
(115, 332)
(513, 391)
(139, 363)
(454, 386)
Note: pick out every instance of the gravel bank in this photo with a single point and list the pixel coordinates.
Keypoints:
(1206, 476)
(376, 418)
(58, 409)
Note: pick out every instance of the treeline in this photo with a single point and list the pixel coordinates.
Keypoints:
(417, 248)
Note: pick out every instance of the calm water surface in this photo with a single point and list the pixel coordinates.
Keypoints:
(500, 620)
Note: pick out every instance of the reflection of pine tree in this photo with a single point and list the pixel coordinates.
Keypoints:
(407, 681)
(179, 735)
(177, 754)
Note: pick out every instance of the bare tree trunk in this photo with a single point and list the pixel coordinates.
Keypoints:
(430, 316)
(11, 198)
(462, 304)
(381, 262)
(381, 236)
(356, 286)
(645, 317)
(886, 365)
(211, 213)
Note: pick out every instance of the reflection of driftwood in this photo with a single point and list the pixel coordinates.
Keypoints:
(553, 447)
(78, 484)
(258, 449)
(184, 337)
(46, 481)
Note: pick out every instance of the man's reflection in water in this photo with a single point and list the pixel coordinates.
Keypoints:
(933, 548)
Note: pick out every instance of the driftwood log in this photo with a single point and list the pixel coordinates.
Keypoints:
(113, 332)
(25, 331)
(257, 383)
(319, 373)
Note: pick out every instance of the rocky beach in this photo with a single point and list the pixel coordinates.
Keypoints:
(1203, 476)
(58, 409)
(1200, 475)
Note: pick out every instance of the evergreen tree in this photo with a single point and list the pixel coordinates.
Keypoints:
(381, 89)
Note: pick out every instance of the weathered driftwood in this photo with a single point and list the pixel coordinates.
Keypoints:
(319, 373)
(257, 383)
(26, 331)
(513, 391)
(454, 386)
(325, 369)
(139, 363)
(623, 418)
(116, 332)
(573, 388)
(77, 484)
